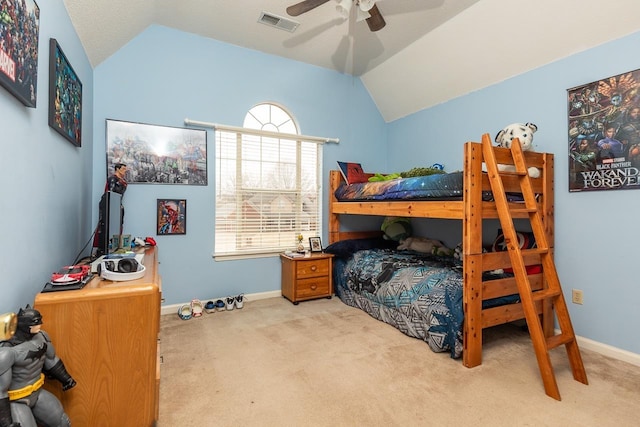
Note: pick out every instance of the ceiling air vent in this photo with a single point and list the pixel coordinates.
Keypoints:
(278, 21)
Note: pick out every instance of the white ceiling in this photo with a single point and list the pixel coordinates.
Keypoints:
(322, 38)
(429, 52)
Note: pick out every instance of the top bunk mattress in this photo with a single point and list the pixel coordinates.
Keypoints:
(448, 186)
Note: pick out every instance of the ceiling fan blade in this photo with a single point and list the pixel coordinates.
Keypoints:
(375, 21)
(304, 6)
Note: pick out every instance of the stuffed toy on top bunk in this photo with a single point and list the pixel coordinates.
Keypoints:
(524, 132)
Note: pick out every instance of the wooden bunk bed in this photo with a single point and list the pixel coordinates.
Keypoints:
(472, 210)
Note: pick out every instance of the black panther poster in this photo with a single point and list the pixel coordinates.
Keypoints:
(604, 134)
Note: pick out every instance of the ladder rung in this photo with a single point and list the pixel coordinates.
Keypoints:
(558, 340)
(534, 251)
(512, 173)
(523, 210)
(545, 294)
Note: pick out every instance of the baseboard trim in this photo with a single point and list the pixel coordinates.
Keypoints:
(607, 350)
(173, 308)
(585, 343)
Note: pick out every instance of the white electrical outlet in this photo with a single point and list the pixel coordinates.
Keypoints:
(577, 296)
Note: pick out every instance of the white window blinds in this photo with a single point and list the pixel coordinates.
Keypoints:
(267, 191)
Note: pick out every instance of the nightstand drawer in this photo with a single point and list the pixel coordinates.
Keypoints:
(312, 268)
(309, 288)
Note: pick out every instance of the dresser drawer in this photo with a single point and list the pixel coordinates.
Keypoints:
(314, 287)
(312, 268)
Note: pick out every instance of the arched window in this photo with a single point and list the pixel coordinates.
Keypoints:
(267, 185)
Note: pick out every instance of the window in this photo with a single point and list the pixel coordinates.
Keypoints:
(267, 185)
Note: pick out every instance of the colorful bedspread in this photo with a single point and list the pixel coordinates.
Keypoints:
(434, 187)
(447, 186)
(419, 294)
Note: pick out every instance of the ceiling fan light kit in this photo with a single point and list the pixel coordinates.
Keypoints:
(362, 15)
(366, 5)
(344, 8)
(366, 10)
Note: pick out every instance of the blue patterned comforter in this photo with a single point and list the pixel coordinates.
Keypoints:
(419, 294)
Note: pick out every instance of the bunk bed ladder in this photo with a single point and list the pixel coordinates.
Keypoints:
(551, 293)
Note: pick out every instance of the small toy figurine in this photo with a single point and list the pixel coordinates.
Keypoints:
(117, 181)
(25, 359)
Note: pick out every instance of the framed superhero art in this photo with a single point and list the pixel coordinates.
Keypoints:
(604, 134)
(19, 34)
(157, 154)
(171, 216)
(65, 96)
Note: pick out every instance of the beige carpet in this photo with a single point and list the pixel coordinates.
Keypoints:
(323, 363)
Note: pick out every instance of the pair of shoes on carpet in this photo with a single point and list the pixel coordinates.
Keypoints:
(187, 311)
(211, 306)
(235, 302)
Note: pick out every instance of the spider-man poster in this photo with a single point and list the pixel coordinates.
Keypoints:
(604, 134)
(172, 216)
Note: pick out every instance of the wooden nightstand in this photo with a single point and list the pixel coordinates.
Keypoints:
(307, 277)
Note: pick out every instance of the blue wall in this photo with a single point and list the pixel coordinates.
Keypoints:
(46, 181)
(51, 188)
(596, 232)
(164, 76)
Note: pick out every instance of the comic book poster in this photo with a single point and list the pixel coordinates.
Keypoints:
(604, 134)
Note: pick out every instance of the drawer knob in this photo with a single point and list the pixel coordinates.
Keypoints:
(314, 287)
(314, 268)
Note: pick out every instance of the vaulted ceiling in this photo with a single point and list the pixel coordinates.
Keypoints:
(430, 51)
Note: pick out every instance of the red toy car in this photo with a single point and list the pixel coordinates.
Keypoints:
(71, 273)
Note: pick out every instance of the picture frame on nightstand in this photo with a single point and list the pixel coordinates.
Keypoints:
(315, 244)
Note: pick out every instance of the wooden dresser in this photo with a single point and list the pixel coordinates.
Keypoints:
(107, 336)
(307, 277)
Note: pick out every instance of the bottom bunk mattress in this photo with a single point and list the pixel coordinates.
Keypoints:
(419, 294)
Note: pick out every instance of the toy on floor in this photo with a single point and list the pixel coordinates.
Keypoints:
(524, 132)
(25, 359)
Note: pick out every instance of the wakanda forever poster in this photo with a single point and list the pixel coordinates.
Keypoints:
(604, 134)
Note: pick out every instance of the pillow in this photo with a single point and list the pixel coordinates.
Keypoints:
(526, 240)
(346, 248)
(353, 173)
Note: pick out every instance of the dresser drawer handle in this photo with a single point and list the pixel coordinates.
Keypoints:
(314, 287)
(314, 268)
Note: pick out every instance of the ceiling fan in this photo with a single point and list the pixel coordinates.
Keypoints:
(366, 9)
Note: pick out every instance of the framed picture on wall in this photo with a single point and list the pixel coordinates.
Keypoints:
(171, 216)
(19, 29)
(157, 154)
(604, 134)
(65, 96)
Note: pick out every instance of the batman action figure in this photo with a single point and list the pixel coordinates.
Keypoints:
(25, 359)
